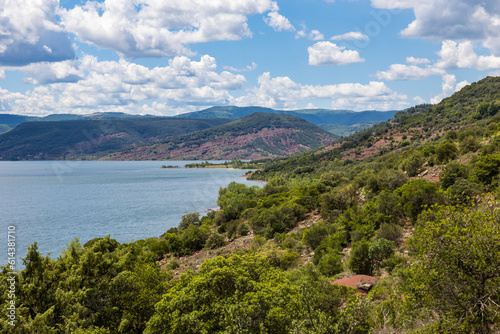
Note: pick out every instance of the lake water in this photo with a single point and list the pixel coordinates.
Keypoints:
(53, 202)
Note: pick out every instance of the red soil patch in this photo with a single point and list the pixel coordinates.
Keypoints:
(362, 283)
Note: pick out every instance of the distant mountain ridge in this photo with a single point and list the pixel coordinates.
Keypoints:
(89, 138)
(10, 121)
(315, 116)
(256, 136)
(334, 121)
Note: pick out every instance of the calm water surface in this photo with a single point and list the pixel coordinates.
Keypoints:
(53, 202)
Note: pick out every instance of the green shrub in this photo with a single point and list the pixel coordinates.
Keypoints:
(390, 232)
(189, 219)
(446, 151)
(313, 236)
(486, 168)
(413, 164)
(173, 264)
(464, 191)
(451, 172)
(330, 264)
(380, 250)
(418, 194)
(215, 240)
(194, 238)
(469, 144)
(359, 260)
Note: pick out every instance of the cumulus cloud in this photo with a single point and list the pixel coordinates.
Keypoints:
(449, 86)
(417, 61)
(452, 55)
(30, 33)
(283, 92)
(461, 20)
(313, 35)
(327, 53)
(122, 86)
(353, 35)
(247, 68)
(44, 73)
(161, 28)
(462, 55)
(408, 72)
(278, 22)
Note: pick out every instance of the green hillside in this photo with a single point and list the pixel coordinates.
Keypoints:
(412, 205)
(83, 138)
(259, 135)
(9, 121)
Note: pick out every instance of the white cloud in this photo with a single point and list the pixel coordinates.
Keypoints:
(123, 86)
(30, 32)
(313, 35)
(327, 53)
(456, 55)
(449, 86)
(247, 68)
(417, 61)
(461, 20)
(152, 28)
(353, 35)
(408, 72)
(462, 55)
(43, 73)
(452, 55)
(284, 93)
(278, 22)
(419, 100)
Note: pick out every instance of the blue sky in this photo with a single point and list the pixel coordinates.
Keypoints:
(166, 57)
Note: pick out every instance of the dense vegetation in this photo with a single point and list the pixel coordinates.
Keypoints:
(259, 135)
(83, 138)
(420, 211)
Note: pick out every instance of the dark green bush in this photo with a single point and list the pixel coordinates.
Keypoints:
(330, 264)
(451, 172)
(188, 220)
(446, 151)
(215, 240)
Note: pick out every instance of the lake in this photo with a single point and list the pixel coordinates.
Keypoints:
(53, 202)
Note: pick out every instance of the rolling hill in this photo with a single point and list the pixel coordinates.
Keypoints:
(10, 121)
(338, 122)
(87, 138)
(316, 116)
(256, 136)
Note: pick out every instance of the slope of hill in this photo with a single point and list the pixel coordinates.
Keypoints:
(315, 116)
(413, 203)
(256, 136)
(81, 138)
(10, 121)
(465, 117)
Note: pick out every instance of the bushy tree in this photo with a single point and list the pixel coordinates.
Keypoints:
(359, 260)
(457, 274)
(244, 294)
(486, 168)
(413, 163)
(416, 195)
(189, 219)
(446, 151)
(452, 172)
